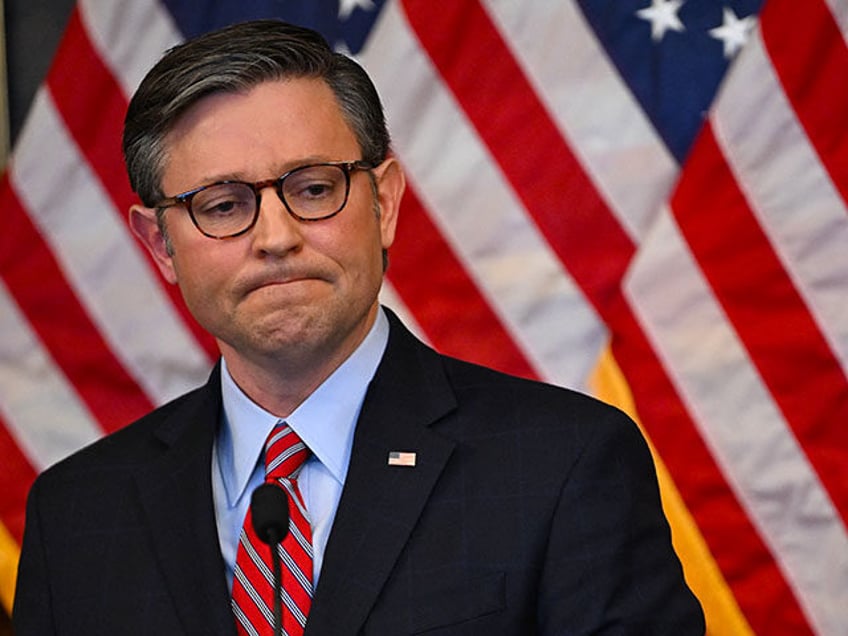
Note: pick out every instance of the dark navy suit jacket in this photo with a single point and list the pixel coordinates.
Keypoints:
(530, 510)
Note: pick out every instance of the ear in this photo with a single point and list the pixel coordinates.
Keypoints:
(145, 226)
(391, 183)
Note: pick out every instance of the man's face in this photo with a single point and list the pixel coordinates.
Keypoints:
(286, 291)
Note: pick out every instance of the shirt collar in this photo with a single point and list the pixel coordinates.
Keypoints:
(325, 421)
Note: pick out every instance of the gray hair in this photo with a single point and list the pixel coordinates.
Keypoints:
(235, 59)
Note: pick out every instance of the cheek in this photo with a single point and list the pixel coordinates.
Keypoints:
(191, 283)
(364, 252)
(205, 292)
(354, 242)
(200, 276)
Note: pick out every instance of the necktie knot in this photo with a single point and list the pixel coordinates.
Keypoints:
(285, 453)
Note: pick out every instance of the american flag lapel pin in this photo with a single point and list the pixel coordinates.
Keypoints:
(398, 458)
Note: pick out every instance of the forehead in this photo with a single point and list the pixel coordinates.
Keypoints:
(271, 126)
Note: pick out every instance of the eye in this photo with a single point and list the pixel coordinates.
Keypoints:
(230, 199)
(311, 189)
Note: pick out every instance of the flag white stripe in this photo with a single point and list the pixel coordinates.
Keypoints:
(511, 263)
(41, 410)
(739, 421)
(629, 164)
(115, 29)
(79, 222)
(812, 244)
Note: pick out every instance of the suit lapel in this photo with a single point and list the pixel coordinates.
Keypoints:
(176, 494)
(380, 504)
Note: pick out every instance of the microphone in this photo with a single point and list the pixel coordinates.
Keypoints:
(269, 513)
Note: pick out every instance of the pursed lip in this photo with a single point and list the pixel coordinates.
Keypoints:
(260, 282)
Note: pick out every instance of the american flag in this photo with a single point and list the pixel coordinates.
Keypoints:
(643, 199)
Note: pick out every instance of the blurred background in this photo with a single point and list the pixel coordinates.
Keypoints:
(31, 32)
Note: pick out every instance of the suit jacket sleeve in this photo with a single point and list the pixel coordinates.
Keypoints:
(32, 610)
(610, 552)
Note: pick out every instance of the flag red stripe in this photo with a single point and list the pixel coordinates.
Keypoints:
(446, 303)
(820, 99)
(736, 256)
(754, 578)
(61, 322)
(476, 64)
(94, 117)
(16, 476)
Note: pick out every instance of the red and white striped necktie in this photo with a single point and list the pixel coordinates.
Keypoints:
(253, 582)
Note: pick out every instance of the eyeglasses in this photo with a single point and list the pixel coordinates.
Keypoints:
(230, 208)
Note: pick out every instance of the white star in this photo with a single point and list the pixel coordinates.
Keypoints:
(733, 32)
(346, 7)
(662, 14)
(342, 47)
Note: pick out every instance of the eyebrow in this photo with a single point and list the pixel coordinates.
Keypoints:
(285, 167)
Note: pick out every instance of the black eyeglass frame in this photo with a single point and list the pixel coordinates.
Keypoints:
(184, 198)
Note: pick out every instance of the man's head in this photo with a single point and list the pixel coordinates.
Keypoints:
(262, 104)
(233, 60)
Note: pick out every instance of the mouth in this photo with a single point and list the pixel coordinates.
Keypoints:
(283, 283)
(287, 280)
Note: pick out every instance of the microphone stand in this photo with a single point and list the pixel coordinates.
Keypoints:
(278, 581)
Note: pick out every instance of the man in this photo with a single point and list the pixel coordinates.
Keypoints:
(437, 496)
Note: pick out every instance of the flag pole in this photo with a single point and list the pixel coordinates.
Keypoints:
(4, 93)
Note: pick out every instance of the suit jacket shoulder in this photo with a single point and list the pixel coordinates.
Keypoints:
(121, 536)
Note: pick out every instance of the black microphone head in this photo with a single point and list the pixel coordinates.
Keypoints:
(269, 513)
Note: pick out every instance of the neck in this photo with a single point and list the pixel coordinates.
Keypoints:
(281, 383)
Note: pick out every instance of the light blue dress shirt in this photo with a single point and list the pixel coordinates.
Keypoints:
(325, 421)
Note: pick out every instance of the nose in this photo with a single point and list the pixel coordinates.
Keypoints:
(276, 232)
